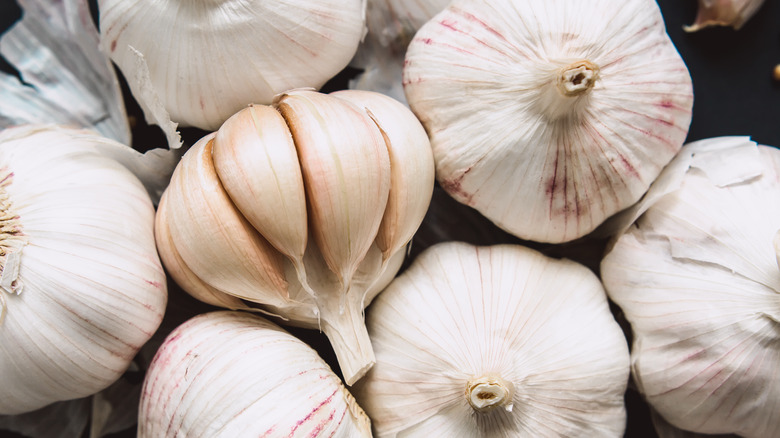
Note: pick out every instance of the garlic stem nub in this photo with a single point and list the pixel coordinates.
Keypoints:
(577, 78)
(488, 392)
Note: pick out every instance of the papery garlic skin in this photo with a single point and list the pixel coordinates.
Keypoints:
(231, 374)
(82, 287)
(208, 59)
(732, 13)
(697, 277)
(548, 117)
(304, 207)
(494, 341)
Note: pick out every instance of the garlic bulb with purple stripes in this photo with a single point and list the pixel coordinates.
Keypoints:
(548, 117)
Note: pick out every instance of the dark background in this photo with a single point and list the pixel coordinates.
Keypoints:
(734, 94)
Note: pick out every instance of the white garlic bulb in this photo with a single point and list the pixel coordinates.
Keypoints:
(494, 341)
(549, 116)
(232, 374)
(82, 288)
(732, 13)
(697, 277)
(208, 59)
(305, 207)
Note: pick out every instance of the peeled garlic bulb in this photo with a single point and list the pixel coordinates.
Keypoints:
(494, 341)
(82, 288)
(231, 374)
(550, 116)
(698, 279)
(304, 207)
(732, 13)
(208, 59)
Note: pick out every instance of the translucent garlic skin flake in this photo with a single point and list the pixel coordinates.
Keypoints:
(549, 117)
(496, 341)
(697, 277)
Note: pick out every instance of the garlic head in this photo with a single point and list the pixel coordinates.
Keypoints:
(82, 287)
(244, 51)
(548, 117)
(494, 341)
(698, 279)
(231, 374)
(304, 207)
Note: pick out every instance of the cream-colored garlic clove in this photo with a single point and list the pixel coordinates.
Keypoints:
(346, 171)
(82, 287)
(494, 341)
(733, 13)
(246, 51)
(257, 163)
(178, 269)
(231, 374)
(548, 117)
(411, 167)
(697, 278)
(213, 239)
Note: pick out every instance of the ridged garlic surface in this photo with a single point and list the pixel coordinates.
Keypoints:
(496, 341)
(207, 59)
(232, 374)
(304, 207)
(733, 13)
(549, 116)
(82, 287)
(697, 277)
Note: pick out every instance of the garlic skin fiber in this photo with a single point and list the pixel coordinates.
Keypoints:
(82, 287)
(304, 207)
(207, 59)
(232, 374)
(732, 13)
(497, 341)
(549, 117)
(697, 277)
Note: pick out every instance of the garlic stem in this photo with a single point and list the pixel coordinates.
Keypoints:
(488, 392)
(564, 90)
(346, 330)
(577, 78)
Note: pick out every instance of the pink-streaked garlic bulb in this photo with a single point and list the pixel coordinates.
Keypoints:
(207, 59)
(81, 286)
(231, 374)
(548, 117)
(697, 277)
(733, 13)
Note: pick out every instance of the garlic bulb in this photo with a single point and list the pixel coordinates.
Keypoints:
(548, 117)
(232, 374)
(494, 341)
(305, 207)
(208, 59)
(732, 13)
(82, 288)
(697, 277)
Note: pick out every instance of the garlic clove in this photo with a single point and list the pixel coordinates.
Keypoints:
(257, 163)
(549, 117)
(346, 171)
(732, 13)
(180, 272)
(411, 167)
(214, 239)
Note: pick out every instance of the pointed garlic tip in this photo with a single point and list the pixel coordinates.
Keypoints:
(733, 13)
(577, 78)
(488, 392)
(346, 173)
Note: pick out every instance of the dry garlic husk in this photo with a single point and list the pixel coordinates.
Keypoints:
(549, 116)
(208, 59)
(305, 207)
(232, 374)
(494, 341)
(697, 277)
(82, 287)
(733, 13)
